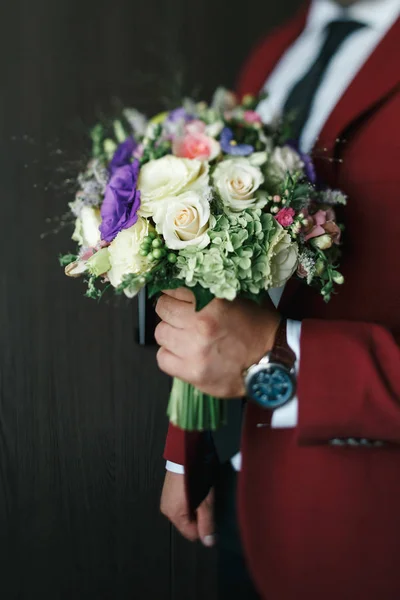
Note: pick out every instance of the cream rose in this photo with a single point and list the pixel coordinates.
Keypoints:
(284, 160)
(238, 182)
(184, 220)
(87, 232)
(166, 177)
(124, 252)
(283, 255)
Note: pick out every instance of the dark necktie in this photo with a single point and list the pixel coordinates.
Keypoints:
(300, 99)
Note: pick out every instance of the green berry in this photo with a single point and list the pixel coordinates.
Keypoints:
(158, 253)
(152, 235)
(147, 240)
(172, 258)
(144, 251)
(157, 243)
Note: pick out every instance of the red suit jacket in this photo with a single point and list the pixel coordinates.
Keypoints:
(322, 521)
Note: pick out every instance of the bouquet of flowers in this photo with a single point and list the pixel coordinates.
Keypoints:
(206, 197)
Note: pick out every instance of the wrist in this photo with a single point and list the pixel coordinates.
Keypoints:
(271, 382)
(267, 340)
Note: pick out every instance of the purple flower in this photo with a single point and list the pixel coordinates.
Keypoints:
(179, 114)
(121, 202)
(309, 168)
(229, 146)
(123, 154)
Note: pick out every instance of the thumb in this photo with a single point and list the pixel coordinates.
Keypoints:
(205, 521)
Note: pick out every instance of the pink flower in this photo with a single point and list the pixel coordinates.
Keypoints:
(195, 126)
(251, 116)
(285, 216)
(320, 223)
(196, 145)
(138, 152)
(301, 271)
(315, 223)
(86, 253)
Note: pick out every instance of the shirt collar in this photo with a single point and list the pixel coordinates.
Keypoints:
(377, 14)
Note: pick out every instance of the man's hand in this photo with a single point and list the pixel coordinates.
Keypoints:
(175, 507)
(211, 348)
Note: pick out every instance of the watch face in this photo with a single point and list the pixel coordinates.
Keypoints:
(270, 385)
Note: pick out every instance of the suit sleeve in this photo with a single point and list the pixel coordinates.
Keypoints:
(348, 383)
(174, 450)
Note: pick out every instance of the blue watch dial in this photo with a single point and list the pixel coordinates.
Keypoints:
(271, 386)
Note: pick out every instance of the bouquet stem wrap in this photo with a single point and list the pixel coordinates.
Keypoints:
(192, 410)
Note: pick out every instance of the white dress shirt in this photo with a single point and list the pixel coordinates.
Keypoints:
(378, 16)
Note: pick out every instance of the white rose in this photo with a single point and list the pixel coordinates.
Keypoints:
(87, 232)
(283, 255)
(124, 253)
(284, 160)
(184, 220)
(168, 176)
(238, 182)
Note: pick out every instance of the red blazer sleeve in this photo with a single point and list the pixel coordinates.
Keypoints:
(349, 382)
(175, 445)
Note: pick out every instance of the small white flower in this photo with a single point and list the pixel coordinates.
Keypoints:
(184, 220)
(223, 100)
(323, 242)
(214, 129)
(166, 177)
(238, 183)
(76, 269)
(136, 120)
(258, 159)
(87, 232)
(124, 252)
(283, 256)
(284, 160)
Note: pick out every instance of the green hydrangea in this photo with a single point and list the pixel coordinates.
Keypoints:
(237, 259)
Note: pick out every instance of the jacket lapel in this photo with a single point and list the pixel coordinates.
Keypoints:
(376, 81)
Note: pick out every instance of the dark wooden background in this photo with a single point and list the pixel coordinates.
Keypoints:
(82, 407)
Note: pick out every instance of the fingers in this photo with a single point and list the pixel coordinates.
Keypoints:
(182, 294)
(187, 528)
(172, 339)
(175, 312)
(174, 506)
(169, 363)
(205, 521)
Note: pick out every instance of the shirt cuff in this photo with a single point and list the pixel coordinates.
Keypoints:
(175, 468)
(286, 415)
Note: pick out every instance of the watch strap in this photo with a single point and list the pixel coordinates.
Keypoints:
(281, 351)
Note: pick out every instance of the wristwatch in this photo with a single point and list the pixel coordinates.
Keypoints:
(271, 383)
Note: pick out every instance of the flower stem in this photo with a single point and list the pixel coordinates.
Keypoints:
(191, 410)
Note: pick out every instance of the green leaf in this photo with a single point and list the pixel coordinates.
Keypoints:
(203, 297)
(258, 298)
(66, 259)
(158, 285)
